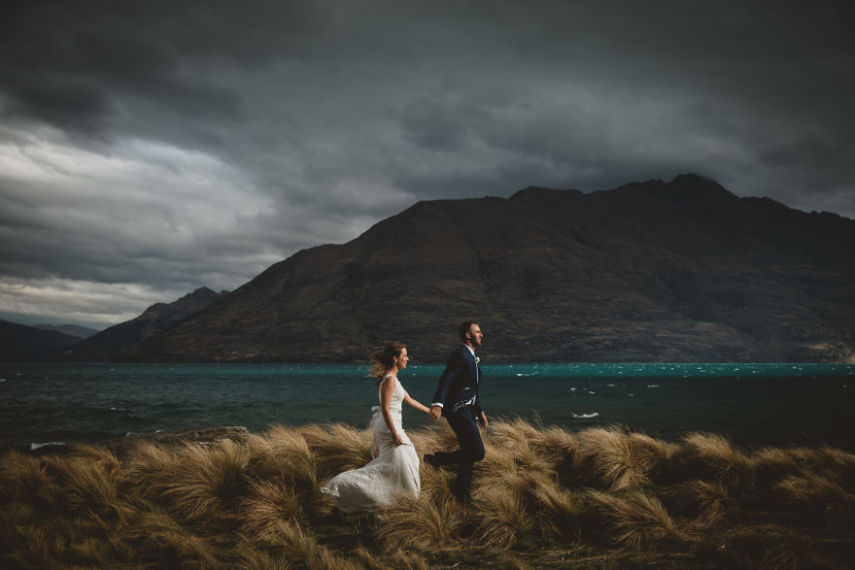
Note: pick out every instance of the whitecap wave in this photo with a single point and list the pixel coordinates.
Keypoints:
(653, 385)
(585, 416)
(35, 446)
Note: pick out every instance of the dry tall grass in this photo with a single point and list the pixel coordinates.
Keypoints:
(543, 497)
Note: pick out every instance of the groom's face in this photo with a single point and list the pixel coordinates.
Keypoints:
(475, 335)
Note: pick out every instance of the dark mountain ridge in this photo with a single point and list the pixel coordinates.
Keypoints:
(109, 343)
(71, 330)
(22, 343)
(652, 271)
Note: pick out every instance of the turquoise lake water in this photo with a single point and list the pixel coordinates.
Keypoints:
(752, 404)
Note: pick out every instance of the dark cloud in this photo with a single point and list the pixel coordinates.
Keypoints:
(169, 145)
(81, 65)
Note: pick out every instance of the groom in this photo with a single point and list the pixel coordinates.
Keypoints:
(456, 399)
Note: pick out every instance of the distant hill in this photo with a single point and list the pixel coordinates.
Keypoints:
(22, 343)
(109, 343)
(655, 271)
(71, 330)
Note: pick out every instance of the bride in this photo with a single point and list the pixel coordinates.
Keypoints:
(394, 471)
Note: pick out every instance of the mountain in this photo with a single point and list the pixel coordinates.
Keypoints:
(71, 330)
(22, 343)
(109, 343)
(655, 271)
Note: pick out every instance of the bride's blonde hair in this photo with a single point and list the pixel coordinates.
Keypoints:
(384, 359)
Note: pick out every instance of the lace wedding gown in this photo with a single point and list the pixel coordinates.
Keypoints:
(392, 473)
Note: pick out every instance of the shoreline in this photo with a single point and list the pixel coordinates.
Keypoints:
(207, 435)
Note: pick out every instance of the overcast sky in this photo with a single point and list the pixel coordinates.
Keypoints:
(148, 148)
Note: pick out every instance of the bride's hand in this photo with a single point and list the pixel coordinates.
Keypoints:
(396, 439)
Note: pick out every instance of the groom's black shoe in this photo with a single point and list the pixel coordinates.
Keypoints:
(461, 493)
(432, 459)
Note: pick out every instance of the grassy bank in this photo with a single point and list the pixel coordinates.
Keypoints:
(544, 497)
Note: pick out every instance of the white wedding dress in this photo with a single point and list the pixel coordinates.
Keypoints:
(394, 471)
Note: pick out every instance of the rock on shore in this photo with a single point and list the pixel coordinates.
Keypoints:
(202, 436)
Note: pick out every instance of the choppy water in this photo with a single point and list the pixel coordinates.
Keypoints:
(753, 404)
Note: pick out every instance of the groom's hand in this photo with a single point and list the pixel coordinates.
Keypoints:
(483, 420)
(435, 413)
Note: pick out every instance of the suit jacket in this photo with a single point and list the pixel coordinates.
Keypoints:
(459, 382)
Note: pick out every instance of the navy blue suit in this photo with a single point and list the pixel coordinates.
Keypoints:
(459, 383)
(457, 387)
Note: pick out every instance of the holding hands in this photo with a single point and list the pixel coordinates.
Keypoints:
(435, 413)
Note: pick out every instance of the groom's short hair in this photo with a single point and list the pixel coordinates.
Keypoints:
(464, 328)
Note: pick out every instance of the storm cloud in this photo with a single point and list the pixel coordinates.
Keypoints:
(150, 148)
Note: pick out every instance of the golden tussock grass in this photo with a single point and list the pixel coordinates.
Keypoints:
(542, 496)
(301, 548)
(609, 458)
(201, 482)
(634, 520)
(504, 522)
(338, 447)
(157, 537)
(429, 522)
(270, 502)
(821, 499)
(704, 504)
(706, 456)
(248, 556)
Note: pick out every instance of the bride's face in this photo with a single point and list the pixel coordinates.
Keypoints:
(402, 359)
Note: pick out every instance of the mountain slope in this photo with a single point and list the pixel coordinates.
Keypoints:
(71, 330)
(109, 343)
(22, 343)
(677, 271)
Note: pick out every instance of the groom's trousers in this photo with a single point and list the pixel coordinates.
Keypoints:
(471, 450)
